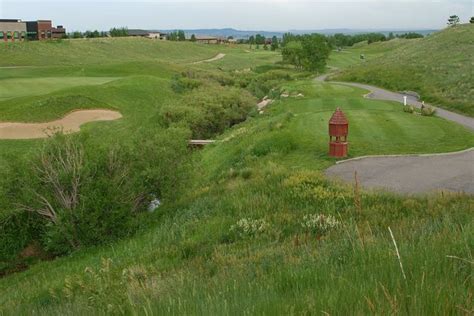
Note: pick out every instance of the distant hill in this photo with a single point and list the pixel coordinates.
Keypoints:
(239, 34)
(439, 67)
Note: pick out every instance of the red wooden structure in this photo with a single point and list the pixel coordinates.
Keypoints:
(338, 131)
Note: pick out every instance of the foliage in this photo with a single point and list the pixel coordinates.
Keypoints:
(208, 110)
(176, 36)
(453, 20)
(193, 38)
(90, 197)
(345, 40)
(118, 32)
(428, 110)
(309, 52)
(274, 46)
(408, 108)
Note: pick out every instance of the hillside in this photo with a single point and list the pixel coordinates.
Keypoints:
(439, 67)
(247, 225)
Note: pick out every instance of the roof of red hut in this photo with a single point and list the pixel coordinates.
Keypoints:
(338, 118)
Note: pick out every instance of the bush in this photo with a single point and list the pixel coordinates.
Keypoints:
(408, 108)
(208, 111)
(79, 194)
(428, 110)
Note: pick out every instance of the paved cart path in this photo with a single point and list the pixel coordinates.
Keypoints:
(411, 174)
(382, 94)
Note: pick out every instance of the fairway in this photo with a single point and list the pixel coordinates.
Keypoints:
(15, 88)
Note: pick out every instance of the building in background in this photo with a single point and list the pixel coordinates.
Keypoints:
(147, 34)
(12, 30)
(43, 30)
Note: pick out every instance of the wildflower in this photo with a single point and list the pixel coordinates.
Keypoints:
(319, 224)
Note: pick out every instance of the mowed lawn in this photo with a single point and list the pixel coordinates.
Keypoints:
(15, 88)
(297, 129)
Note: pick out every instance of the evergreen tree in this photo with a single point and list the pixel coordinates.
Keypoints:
(274, 45)
(193, 38)
(471, 20)
(453, 20)
(181, 36)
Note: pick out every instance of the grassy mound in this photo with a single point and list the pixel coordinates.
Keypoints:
(438, 67)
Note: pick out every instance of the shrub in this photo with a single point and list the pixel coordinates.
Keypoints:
(408, 108)
(428, 110)
(80, 194)
(208, 111)
(182, 84)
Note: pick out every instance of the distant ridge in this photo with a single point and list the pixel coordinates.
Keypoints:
(226, 32)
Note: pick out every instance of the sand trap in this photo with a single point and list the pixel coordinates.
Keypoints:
(69, 124)
(217, 57)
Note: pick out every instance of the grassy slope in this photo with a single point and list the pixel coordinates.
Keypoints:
(439, 67)
(188, 262)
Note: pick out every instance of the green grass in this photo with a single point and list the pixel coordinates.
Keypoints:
(15, 88)
(438, 67)
(187, 260)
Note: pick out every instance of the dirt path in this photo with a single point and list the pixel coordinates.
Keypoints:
(382, 94)
(411, 174)
(69, 124)
(217, 57)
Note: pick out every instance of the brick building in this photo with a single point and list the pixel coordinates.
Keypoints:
(43, 30)
(12, 30)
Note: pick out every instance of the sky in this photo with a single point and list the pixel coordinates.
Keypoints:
(268, 15)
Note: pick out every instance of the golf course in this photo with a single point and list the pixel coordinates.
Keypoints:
(94, 137)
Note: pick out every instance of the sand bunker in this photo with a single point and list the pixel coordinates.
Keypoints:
(69, 124)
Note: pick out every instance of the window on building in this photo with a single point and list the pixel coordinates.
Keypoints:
(9, 35)
(2, 35)
(23, 35)
(16, 35)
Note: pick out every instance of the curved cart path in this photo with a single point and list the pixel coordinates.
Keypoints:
(411, 173)
(68, 124)
(382, 94)
(217, 57)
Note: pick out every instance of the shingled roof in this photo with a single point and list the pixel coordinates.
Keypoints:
(338, 118)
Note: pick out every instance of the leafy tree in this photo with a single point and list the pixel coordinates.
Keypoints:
(118, 32)
(316, 51)
(181, 36)
(265, 46)
(259, 39)
(410, 35)
(77, 34)
(193, 38)
(251, 41)
(173, 36)
(391, 36)
(292, 53)
(274, 45)
(453, 20)
(471, 20)
(288, 37)
(309, 52)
